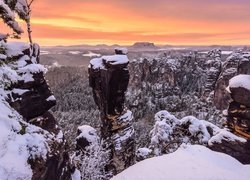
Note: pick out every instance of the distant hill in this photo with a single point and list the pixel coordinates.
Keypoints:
(143, 46)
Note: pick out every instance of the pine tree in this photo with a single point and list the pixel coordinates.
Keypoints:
(8, 9)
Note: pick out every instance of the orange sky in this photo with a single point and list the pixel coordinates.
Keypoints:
(189, 22)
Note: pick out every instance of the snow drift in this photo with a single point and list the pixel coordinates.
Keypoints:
(188, 162)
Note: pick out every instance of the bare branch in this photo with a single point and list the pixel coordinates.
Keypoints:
(30, 3)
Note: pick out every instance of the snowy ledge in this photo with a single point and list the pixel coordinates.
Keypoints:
(225, 135)
(99, 63)
(240, 81)
(188, 162)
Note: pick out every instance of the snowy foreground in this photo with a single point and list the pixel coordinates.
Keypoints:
(193, 162)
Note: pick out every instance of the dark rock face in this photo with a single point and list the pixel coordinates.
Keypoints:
(37, 97)
(111, 99)
(109, 82)
(34, 102)
(241, 95)
(238, 150)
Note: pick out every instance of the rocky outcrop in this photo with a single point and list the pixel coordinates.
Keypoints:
(236, 63)
(238, 119)
(214, 64)
(239, 107)
(109, 77)
(29, 97)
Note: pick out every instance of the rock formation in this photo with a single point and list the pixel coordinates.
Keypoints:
(238, 119)
(237, 63)
(109, 77)
(170, 132)
(29, 99)
(214, 64)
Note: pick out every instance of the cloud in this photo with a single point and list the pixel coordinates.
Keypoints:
(76, 34)
(182, 21)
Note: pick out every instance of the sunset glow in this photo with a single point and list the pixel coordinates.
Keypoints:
(182, 22)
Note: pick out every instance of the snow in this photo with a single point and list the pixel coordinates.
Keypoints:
(161, 132)
(188, 162)
(44, 52)
(91, 54)
(28, 71)
(56, 64)
(122, 49)
(143, 152)
(119, 139)
(171, 48)
(51, 98)
(2, 57)
(226, 52)
(9, 16)
(7, 75)
(89, 133)
(74, 52)
(116, 59)
(163, 128)
(19, 141)
(16, 48)
(196, 126)
(225, 135)
(126, 117)
(76, 175)
(20, 91)
(32, 68)
(165, 115)
(22, 8)
(97, 63)
(240, 81)
(22, 61)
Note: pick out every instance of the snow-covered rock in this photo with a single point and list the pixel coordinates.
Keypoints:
(188, 162)
(241, 80)
(121, 51)
(87, 137)
(169, 133)
(31, 144)
(113, 60)
(237, 63)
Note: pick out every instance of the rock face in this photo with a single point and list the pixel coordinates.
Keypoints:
(236, 63)
(28, 93)
(214, 68)
(239, 108)
(238, 120)
(31, 96)
(109, 77)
